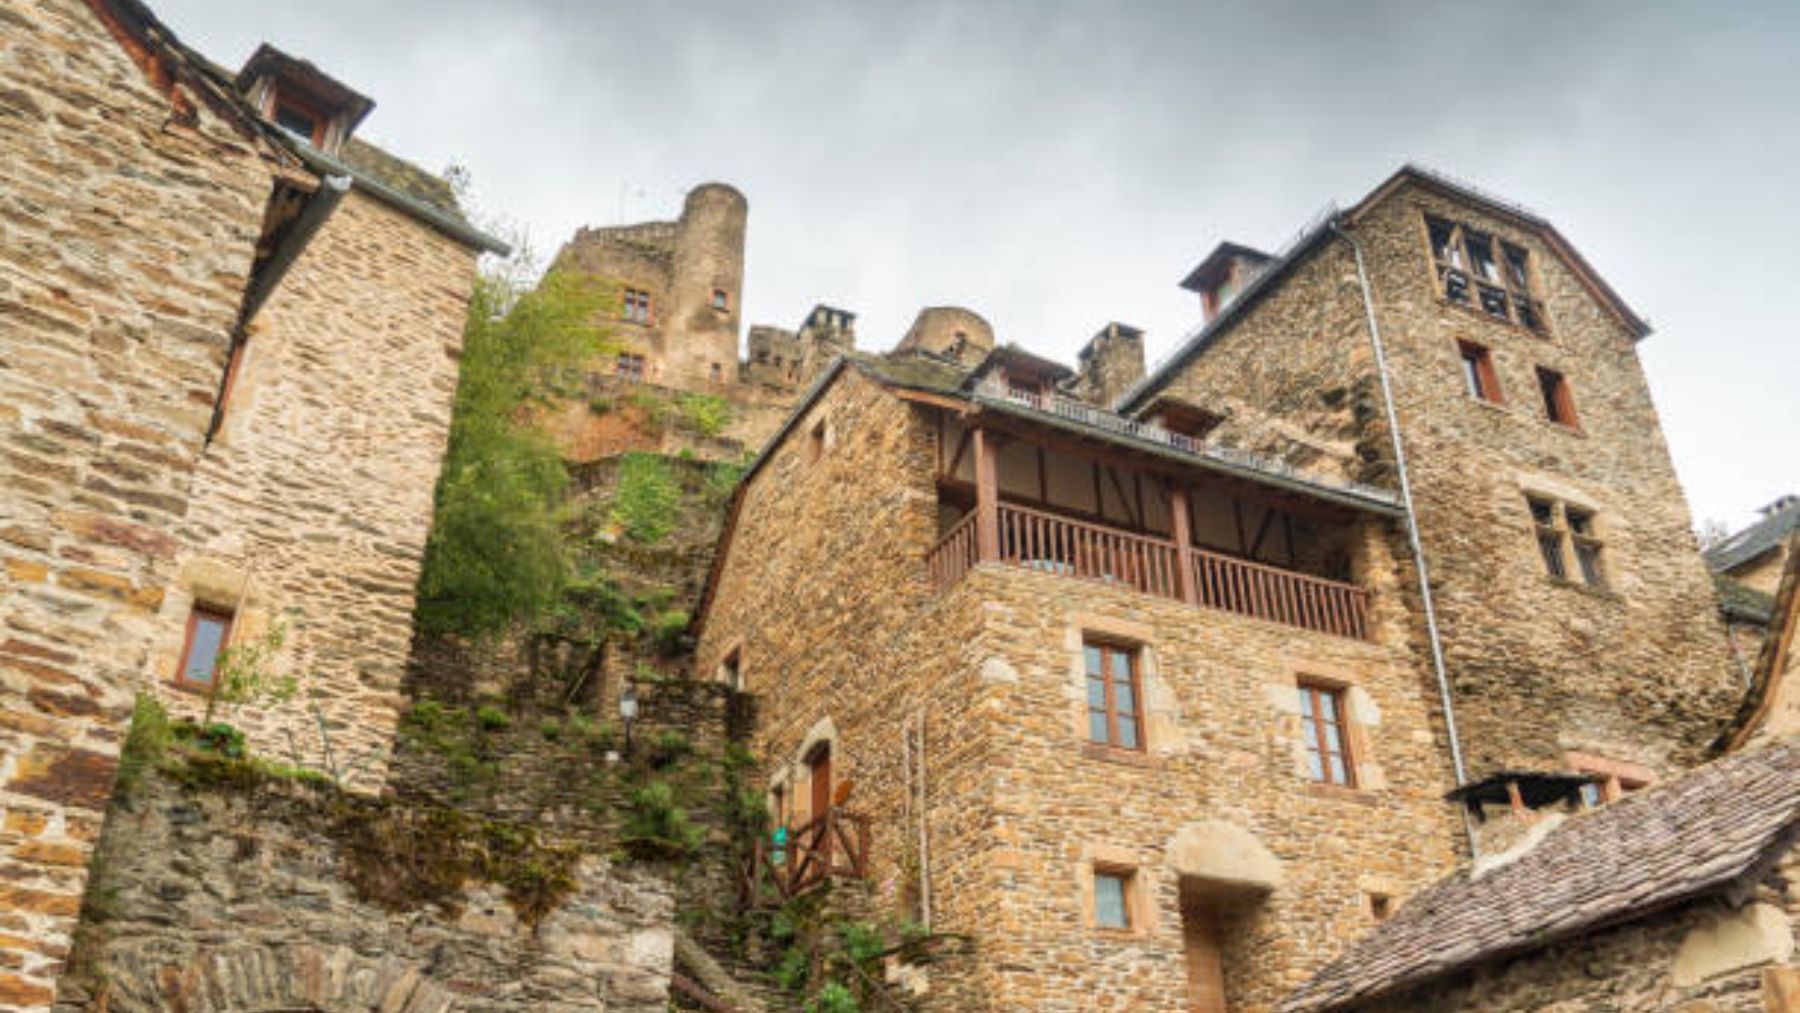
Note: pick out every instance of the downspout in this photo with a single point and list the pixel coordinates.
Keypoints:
(264, 279)
(1412, 526)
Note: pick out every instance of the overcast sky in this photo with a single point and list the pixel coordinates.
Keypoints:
(1057, 165)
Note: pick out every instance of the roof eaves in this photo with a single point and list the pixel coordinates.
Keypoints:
(1200, 337)
(437, 218)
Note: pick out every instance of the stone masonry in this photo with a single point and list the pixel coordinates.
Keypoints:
(313, 503)
(219, 899)
(129, 209)
(824, 598)
(1548, 673)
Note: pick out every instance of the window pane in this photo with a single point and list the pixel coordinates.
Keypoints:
(1109, 901)
(1551, 548)
(1456, 286)
(1096, 693)
(1332, 743)
(1515, 268)
(1471, 363)
(1338, 774)
(1128, 731)
(1481, 255)
(1314, 769)
(1306, 702)
(1121, 666)
(1093, 660)
(203, 650)
(1580, 523)
(1328, 705)
(1494, 301)
(1441, 246)
(1542, 512)
(1123, 699)
(1097, 726)
(1590, 795)
(1588, 556)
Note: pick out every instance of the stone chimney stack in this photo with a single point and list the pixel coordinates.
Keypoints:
(1110, 363)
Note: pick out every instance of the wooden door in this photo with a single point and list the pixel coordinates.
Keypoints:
(1205, 969)
(818, 766)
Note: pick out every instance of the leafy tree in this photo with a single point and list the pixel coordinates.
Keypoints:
(496, 554)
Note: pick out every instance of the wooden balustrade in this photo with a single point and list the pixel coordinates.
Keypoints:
(833, 845)
(1049, 543)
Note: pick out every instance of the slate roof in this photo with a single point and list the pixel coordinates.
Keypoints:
(1741, 601)
(403, 176)
(1703, 833)
(1783, 518)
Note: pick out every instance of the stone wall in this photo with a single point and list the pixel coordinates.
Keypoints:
(688, 342)
(1707, 956)
(313, 504)
(1636, 671)
(239, 897)
(128, 220)
(825, 598)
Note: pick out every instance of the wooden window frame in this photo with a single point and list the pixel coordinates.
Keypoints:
(226, 619)
(1135, 658)
(1477, 364)
(1127, 877)
(631, 366)
(1558, 398)
(1516, 296)
(1312, 731)
(637, 307)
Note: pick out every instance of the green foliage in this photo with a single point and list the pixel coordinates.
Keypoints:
(147, 743)
(551, 729)
(706, 414)
(214, 737)
(656, 827)
(793, 969)
(495, 554)
(833, 998)
(721, 479)
(862, 942)
(669, 632)
(668, 748)
(647, 497)
(492, 718)
(244, 675)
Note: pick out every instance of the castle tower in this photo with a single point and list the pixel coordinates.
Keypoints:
(705, 286)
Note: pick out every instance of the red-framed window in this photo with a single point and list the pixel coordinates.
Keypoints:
(1327, 735)
(208, 634)
(1559, 401)
(1114, 695)
(636, 306)
(1479, 377)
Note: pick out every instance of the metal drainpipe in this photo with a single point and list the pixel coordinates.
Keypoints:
(1412, 528)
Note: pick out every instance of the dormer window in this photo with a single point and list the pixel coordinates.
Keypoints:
(301, 99)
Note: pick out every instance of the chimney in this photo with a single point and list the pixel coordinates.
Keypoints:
(1511, 810)
(1110, 363)
(1225, 272)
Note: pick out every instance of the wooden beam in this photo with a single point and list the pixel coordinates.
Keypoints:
(987, 496)
(1178, 522)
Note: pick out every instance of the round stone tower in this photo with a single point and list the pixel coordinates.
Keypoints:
(706, 284)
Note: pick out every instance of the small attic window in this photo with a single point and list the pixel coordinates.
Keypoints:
(296, 122)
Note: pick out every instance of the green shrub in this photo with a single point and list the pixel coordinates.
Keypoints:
(655, 827)
(668, 748)
(721, 479)
(706, 414)
(793, 969)
(833, 998)
(492, 718)
(647, 497)
(495, 553)
(669, 632)
(861, 941)
(551, 729)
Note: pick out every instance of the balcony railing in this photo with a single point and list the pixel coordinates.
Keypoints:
(833, 845)
(1049, 543)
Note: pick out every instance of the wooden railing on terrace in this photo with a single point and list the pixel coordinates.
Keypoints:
(1049, 543)
(833, 845)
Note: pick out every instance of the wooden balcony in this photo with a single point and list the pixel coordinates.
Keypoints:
(1049, 543)
(832, 846)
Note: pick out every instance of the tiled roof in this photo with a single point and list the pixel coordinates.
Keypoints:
(1783, 517)
(1694, 835)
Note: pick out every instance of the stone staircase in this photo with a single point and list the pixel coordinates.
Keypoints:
(703, 983)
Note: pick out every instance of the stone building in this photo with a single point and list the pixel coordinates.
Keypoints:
(1747, 567)
(1578, 628)
(1133, 675)
(1174, 779)
(229, 357)
(1683, 897)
